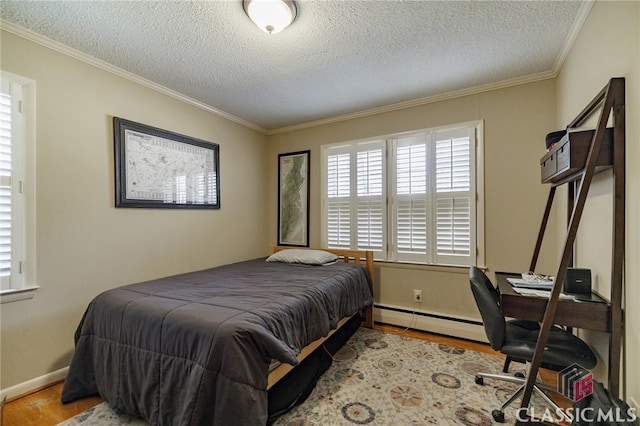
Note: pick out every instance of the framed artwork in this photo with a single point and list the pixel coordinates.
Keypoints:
(159, 169)
(293, 199)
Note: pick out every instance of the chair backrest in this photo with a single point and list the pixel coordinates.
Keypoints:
(488, 302)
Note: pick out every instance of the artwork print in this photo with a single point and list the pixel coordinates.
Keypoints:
(159, 169)
(293, 199)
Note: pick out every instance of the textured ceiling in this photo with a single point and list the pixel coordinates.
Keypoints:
(337, 58)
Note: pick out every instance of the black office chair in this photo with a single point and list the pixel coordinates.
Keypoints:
(529, 325)
(562, 350)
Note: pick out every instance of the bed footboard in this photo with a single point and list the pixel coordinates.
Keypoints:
(359, 257)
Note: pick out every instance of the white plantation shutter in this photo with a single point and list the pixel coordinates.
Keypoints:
(10, 202)
(453, 225)
(370, 200)
(339, 214)
(411, 225)
(355, 205)
(17, 188)
(339, 200)
(454, 192)
(5, 236)
(370, 224)
(426, 209)
(5, 190)
(412, 199)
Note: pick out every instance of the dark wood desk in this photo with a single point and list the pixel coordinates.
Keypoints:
(593, 314)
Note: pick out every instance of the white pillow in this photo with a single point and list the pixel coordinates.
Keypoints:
(308, 257)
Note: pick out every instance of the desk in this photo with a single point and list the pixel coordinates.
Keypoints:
(589, 315)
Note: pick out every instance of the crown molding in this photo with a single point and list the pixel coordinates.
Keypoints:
(88, 59)
(579, 21)
(418, 102)
(576, 27)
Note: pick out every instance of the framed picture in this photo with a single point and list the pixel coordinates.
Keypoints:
(160, 169)
(293, 199)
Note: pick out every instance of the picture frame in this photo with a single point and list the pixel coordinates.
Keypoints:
(293, 199)
(156, 168)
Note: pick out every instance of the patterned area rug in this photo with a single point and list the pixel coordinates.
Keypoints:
(385, 379)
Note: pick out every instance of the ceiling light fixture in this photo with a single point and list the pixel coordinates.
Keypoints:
(271, 16)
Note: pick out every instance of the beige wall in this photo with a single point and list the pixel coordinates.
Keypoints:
(608, 46)
(516, 120)
(84, 244)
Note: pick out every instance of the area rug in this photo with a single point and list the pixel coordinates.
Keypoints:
(381, 378)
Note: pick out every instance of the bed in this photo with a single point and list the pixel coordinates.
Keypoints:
(196, 348)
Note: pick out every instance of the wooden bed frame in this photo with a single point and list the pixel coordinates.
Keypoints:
(347, 256)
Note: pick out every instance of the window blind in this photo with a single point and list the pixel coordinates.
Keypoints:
(355, 197)
(5, 190)
(17, 187)
(370, 202)
(412, 202)
(339, 202)
(453, 192)
(426, 209)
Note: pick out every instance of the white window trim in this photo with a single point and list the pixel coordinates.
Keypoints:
(480, 208)
(477, 168)
(28, 287)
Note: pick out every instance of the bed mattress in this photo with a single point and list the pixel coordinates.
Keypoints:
(195, 348)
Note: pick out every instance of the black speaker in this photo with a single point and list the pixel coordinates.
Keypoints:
(577, 281)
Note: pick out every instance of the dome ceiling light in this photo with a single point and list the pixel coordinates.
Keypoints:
(271, 16)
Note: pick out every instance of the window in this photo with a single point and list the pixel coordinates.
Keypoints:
(355, 212)
(408, 198)
(17, 275)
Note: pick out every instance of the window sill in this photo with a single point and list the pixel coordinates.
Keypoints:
(14, 295)
(423, 266)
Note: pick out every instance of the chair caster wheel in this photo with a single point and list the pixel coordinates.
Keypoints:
(498, 416)
(479, 380)
(518, 374)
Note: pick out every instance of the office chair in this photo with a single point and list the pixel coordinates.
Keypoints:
(528, 325)
(562, 350)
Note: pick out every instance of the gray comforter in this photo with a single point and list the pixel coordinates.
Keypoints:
(194, 349)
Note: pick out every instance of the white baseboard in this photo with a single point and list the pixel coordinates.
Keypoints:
(33, 384)
(428, 321)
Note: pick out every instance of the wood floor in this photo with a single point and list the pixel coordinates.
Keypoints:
(43, 408)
